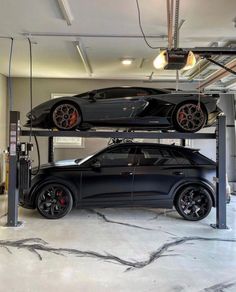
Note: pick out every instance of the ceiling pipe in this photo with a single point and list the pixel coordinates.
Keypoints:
(150, 78)
(83, 55)
(66, 11)
(141, 63)
(85, 35)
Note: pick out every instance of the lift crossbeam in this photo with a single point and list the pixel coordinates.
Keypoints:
(124, 135)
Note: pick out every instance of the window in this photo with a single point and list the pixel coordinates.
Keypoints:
(66, 142)
(124, 92)
(123, 156)
(199, 159)
(155, 156)
(181, 159)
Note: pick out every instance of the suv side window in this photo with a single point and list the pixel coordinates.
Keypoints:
(181, 159)
(199, 159)
(148, 156)
(120, 156)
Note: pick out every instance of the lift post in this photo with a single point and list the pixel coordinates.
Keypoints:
(50, 150)
(13, 190)
(220, 174)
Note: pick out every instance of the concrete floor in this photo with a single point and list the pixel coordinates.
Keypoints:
(117, 250)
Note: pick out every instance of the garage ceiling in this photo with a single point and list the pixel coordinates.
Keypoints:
(207, 22)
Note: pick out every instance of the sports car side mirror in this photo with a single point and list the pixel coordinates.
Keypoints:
(92, 95)
(96, 164)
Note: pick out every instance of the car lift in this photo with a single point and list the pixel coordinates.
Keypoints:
(16, 154)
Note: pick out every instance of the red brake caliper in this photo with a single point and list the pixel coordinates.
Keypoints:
(61, 200)
(181, 116)
(73, 119)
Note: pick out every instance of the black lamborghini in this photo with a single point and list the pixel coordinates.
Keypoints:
(129, 107)
(126, 174)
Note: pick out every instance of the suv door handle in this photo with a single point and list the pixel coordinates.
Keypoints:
(126, 173)
(178, 173)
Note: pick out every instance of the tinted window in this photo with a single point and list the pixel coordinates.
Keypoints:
(126, 92)
(199, 159)
(155, 156)
(120, 92)
(122, 156)
(181, 159)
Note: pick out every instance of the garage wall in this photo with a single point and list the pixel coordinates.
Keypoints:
(3, 112)
(43, 88)
(3, 119)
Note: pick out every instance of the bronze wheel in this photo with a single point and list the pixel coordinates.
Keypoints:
(189, 117)
(66, 117)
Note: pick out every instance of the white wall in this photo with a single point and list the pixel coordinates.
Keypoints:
(207, 147)
(3, 118)
(3, 112)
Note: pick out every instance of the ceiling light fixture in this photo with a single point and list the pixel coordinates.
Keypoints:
(127, 61)
(66, 11)
(175, 59)
(84, 58)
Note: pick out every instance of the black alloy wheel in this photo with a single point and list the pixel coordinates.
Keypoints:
(189, 117)
(66, 116)
(193, 202)
(54, 201)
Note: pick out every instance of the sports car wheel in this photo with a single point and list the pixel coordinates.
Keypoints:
(66, 116)
(189, 117)
(193, 202)
(54, 201)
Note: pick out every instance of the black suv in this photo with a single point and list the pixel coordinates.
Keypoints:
(126, 174)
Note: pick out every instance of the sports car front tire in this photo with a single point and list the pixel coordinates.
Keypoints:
(66, 116)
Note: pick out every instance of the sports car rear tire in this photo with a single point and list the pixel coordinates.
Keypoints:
(66, 116)
(193, 202)
(189, 117)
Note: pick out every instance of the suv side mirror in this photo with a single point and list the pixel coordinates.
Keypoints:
(96, 164)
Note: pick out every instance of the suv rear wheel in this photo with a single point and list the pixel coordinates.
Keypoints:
(193, 202)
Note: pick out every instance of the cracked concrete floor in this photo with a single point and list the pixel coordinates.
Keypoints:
(117, 250)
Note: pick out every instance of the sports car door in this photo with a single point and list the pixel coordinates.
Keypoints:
(114, 105)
